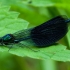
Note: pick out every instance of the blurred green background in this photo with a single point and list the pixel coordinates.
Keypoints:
(36, 12)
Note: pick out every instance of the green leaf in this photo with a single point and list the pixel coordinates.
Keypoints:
(10, 23)
(55, 52)
(42, 3)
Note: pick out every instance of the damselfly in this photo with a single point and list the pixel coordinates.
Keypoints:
(40, 36)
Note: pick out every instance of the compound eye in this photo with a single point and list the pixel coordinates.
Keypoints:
(7, 37)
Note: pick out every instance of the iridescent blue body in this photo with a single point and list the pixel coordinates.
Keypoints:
(40, 36)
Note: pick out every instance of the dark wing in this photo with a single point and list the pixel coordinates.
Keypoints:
(49, 32)
(45, 34)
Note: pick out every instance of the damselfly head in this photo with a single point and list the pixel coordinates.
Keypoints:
(8, 39)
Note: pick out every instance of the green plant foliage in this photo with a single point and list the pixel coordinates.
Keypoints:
(10, 23)
(42, 3)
